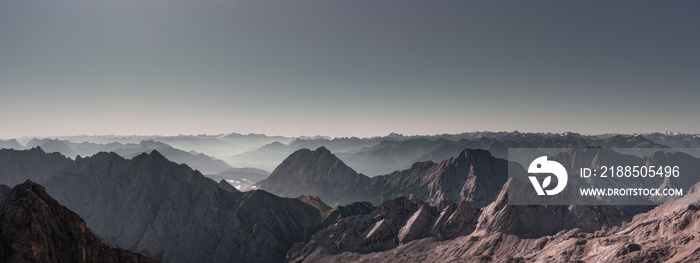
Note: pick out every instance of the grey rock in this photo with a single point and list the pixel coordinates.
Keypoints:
(473, 175)
(34, 227)
(168, 211)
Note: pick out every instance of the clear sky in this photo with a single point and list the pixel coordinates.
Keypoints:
(347, 68)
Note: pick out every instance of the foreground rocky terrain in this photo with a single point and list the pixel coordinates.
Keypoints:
(504, 233)
(35, 228)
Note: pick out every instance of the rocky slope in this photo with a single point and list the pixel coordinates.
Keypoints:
(318, 172)
(472, 175)
(395, 222)
(503, 233)
(36, 228)
(168, 211)
(404, 231)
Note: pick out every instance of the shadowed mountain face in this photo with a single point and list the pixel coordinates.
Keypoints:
(388, 156)
(472, 175)
(318, 172)
(36, 228)
(204, 163)
(19, 166)
(151, 205)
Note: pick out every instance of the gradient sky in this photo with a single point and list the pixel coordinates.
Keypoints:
(347, 68)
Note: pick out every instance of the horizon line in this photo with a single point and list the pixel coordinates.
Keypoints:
(338, 137)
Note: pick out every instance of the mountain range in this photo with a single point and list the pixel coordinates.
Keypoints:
(472, 175)
(401, 230)
(444, 202)
(212, 154)
(169, 211)
(383, 155)
(503, 233)
(206, 164)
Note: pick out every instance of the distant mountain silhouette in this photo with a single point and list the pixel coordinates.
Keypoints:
(11, 144)
(199, 161)
(675, 140)
(390, 155)
(50, 145)
(266, 157)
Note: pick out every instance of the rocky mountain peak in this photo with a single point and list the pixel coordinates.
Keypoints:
(36, 228)
(317, 172)
(530, 221)
(394, 222)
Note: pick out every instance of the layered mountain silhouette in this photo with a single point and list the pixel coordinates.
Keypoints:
(436, 202)
(675, 140)
(472, 175)
(199, 161)
(370, 156)
(389, 155)
(169, 211)
(383, 155)
(10, 144)
(52, 145)
(204, 163)
(34, 227)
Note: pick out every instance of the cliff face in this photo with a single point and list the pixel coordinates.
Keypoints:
(394, 223)
(405, 231)
(35, 228)
(664, 234)
(169, 211)
(473, 175)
